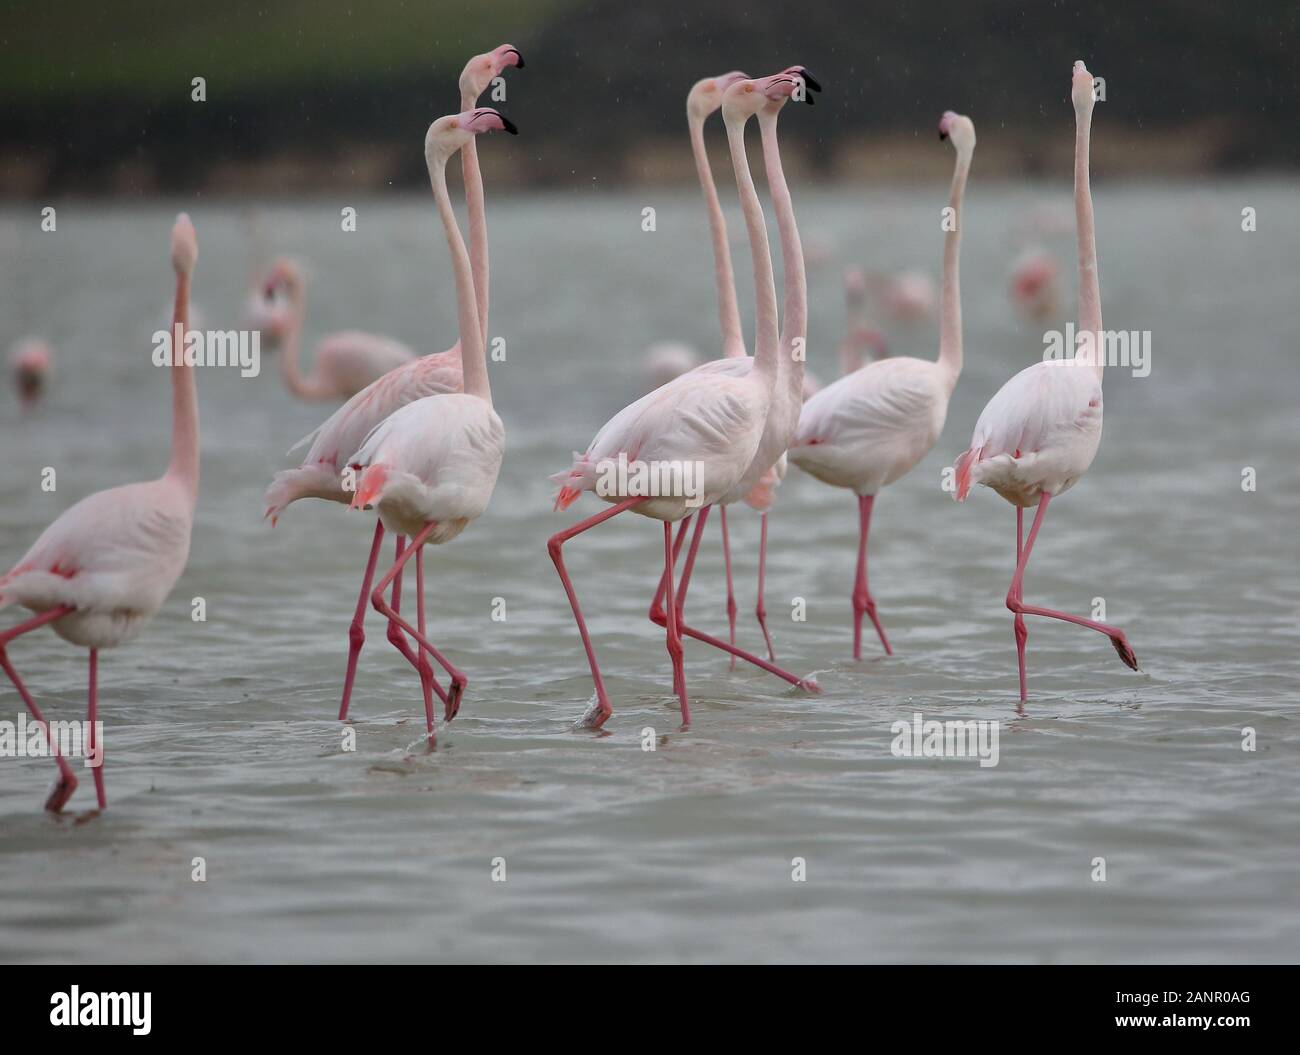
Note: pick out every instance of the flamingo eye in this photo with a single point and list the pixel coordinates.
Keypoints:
(455, 124)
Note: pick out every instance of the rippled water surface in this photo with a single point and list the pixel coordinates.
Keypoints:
(221, 734)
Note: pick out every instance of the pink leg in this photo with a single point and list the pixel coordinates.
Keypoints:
(685, 583)
(656, 612)
(675, 650)
(761, 610)
(415, 657)
(67, 782)
(1022, 635)
(1015, 599)
(809, 684)
(92, 717)
(357, 632)
(731, 593)
(862, 599)
(554, 548)
(458, 679)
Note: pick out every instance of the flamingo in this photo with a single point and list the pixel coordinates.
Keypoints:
(98, 574)
(429, 468)
(346, 362)
(29, 365)
(872, 426)
(323, 472)
(1038, 435)
(906, 297)
(1033, 284)
(768, 468)
(712, 418)
(862, 342)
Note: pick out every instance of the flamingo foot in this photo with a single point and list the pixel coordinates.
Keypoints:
(1125, 651)
(455, 692)
(63, 789)
(595, 716)
(810, 685)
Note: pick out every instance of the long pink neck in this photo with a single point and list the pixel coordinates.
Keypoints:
(302, 387)
(1089, 287)
(950, 346)
(794, 324)
(724, 278)
(473, 352)
(184, 464)
(478, 233)
(766, 351)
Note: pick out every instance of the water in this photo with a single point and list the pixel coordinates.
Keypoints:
(221, 738)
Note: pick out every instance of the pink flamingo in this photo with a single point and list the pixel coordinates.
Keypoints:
(665, 360)
(758, 485)
(322, 472)
(710, 418)
(1041, 430)
(345, 363)
(906, 297)
(872, 427)
(104, 567)
(429, 468)
(1033, 284)
(29, 365)
(862, 342)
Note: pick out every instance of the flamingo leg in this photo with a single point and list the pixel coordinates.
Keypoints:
(357, 631)
(458, 679)
(862, 599)
(685, 584)
(425, 669)
(1015, 599)
(1022, 635)
(554, 547)
(731, 592)
(761, 610)
(656, 612)
(67, 782)
(674, 637)
(92, 719)
(415, 657)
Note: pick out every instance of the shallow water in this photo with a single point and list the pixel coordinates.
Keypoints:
(221, 737)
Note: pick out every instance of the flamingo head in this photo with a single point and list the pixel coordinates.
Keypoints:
(769, 94)
(706, 96)
(29, 362)
(483, 69)
(960, 129)
(1081, 88)
(271, 307)
(185, 245)
(448, 134)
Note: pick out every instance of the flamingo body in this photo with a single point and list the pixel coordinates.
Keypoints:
(436, 459)
(1038, 434)
(871, 427)
(113, 557)
(321, 473)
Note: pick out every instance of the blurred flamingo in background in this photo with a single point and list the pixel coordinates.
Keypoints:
(1039, 433)
(905, 297)
(429, 468)
(862, 342)
(712, 418)
(1034, 291)
(665, 360)
(872, 426)
(29, 367)
(104, 567)
(345, 362)
(322, 472)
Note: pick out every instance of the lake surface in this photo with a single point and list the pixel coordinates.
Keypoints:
(221, 737)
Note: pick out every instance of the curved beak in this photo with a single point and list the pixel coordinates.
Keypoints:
(509, 125)
(519, 59)
(809, 79)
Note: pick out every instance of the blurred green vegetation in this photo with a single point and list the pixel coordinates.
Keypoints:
(60, 50)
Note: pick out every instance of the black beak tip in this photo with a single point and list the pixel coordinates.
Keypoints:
(943, 136)
(809, 100)
(519, 59)
(509, 125)
(809, 79)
